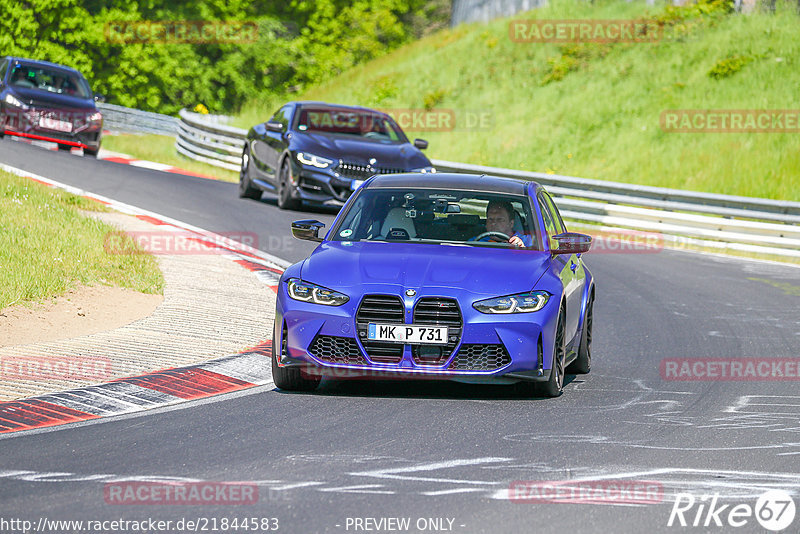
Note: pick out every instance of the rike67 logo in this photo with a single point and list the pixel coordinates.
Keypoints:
(774, 511)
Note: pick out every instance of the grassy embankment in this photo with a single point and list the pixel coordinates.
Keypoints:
(47, 246)
(592, 109)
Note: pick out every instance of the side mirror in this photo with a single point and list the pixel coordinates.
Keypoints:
(421, 144)
(572, 243)
(274, 126)
(99, 98)
(307, 230)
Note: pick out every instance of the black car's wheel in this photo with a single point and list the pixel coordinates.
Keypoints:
(290, 378)
(246, 189)
(90, 153)
(286, 189)
(584, 362)
(553, 387)
(65, 148)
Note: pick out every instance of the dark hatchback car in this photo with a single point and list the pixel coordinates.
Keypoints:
(321, 153)
(49, 102)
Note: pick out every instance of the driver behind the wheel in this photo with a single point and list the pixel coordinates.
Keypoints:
(500, 219)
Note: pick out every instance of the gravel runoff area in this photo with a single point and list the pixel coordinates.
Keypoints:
(212, 307)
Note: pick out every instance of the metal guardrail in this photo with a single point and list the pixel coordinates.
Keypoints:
(119, 119)
(682, 217)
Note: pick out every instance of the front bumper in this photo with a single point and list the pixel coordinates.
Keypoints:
(321, 185)
(26, 124)
(328, 341)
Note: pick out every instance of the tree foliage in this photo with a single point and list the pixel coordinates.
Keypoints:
(299, 42)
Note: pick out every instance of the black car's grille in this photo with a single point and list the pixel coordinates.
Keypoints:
(335, 349)
(480, 358)
(362, 172)
(440, 312)
(384, 309)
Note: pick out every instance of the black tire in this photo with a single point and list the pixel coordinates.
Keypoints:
(555, 384)
(65, 148)
(286, 189)
(90, 153)
(584, 362)
(246, 189)
(290, 378)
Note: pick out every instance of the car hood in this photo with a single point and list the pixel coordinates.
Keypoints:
(55, 100)
(385, 266)
(359, 151)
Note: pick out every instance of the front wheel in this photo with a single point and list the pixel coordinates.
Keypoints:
(246, 189)
(583, 364)
(286, 189)
(90, 153)
(290, 378)
(555, 384)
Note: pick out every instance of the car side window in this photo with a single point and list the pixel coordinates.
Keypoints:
(548, 218)
(282, 116)
(557, 221)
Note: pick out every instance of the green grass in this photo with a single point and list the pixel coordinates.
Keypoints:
(592, 110)
(161, 149)
(46, 246)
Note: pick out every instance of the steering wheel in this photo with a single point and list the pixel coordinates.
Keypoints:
(374, 135)
(499, 235)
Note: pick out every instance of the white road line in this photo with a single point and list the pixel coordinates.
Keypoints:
(394, 473)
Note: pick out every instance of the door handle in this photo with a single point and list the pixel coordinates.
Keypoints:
(573, 266)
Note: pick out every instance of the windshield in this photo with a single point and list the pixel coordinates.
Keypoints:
(51, 80)
(464, 218)
(365, 124)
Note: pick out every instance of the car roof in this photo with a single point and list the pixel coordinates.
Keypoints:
(451, 180)
(40, 63)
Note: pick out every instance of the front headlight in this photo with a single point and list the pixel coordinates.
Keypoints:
(96, 117)
(520, 303)
(315, 161)
(307, 292)
(424, 170)
(12, 101)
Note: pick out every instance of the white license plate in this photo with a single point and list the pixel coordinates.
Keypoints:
(407, 333)
(55, 124)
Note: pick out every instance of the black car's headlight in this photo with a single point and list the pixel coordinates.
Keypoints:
(315, 161)
(520, 303)
(11, 100)
(307, 292)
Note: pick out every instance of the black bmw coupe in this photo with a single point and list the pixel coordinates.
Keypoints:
(321, 153)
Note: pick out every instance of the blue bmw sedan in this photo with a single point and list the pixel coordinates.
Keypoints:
(467, 278)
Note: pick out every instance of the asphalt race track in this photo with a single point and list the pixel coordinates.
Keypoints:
(445, 455)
